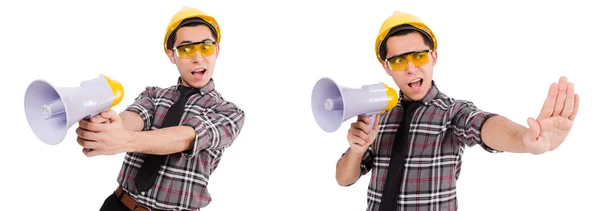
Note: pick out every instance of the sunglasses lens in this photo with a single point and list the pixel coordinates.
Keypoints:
(207, 49)
(420, 59)
(188, 51)
(400, 63)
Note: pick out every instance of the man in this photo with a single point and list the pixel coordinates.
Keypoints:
(173, 137)
(413, 151)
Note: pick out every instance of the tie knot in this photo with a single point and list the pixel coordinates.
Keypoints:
(186, 91)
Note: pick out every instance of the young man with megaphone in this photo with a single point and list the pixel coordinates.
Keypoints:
(173, 137)
(413, 151)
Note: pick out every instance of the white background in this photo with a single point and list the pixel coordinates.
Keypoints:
(503, 56)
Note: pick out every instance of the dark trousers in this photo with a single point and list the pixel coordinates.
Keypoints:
(112, 203)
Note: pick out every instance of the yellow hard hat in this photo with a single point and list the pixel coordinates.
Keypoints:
(186, 13)
(399, 19)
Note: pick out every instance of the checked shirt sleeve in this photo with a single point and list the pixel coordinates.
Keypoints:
(467, 124)
(216, 129)
(144, 105)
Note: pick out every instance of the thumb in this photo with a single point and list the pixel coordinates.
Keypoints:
(534, 129)
(376, 124)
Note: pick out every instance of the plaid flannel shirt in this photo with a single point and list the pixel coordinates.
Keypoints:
(182, 181)
(439, 131)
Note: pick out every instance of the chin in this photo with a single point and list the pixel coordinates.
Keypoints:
(199, 84)
(192, 82)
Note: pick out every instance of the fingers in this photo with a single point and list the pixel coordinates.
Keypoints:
(362, 124)
(93, 148)
(90, 126)
(361, 135)
(111, 115)
(575, 107)
(98, 119)
(359, 142)
(560, 98)
(365, 119)
(90, 148)
(87, 135)
(357, 135)
(548, 107)
(569, 101)
(359, 132)
(87, 143)
(92, 153)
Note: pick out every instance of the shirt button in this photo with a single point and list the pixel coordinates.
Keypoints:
(143, 193)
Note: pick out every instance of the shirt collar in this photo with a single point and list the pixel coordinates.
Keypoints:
(431, 94)
(203, 90)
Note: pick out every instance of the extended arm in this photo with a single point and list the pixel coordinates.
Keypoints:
(217, 129)
(502, 134)
(162, 141)
(545, 133)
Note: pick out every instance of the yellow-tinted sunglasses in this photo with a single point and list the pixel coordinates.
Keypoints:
(400, 62)
(187, 51)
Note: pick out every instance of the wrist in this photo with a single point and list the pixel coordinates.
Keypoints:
(131, 142)
(523, 133)
(354, 154)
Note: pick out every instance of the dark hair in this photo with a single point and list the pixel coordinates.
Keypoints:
(190, 22)
(402, 32)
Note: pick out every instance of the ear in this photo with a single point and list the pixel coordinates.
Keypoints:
(171, 56)
(434, 57)
(386, 68)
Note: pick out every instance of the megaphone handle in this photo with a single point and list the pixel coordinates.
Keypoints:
(372, 117)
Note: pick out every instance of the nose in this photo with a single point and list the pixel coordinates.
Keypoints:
(411, 68)
(198, 58)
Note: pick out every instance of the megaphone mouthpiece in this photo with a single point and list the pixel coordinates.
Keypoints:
(332, 104)
(52, 109)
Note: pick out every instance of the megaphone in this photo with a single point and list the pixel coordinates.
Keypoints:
(332, 104)
(51, 110)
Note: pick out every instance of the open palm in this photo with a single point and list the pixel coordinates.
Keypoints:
(555, 120)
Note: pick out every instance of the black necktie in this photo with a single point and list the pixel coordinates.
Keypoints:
(395, 172)
(146, 175)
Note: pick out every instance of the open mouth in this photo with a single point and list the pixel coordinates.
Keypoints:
(199, 72)
(416, 83)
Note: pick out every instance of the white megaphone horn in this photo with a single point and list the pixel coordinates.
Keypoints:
(332, 104)
(51, 111)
